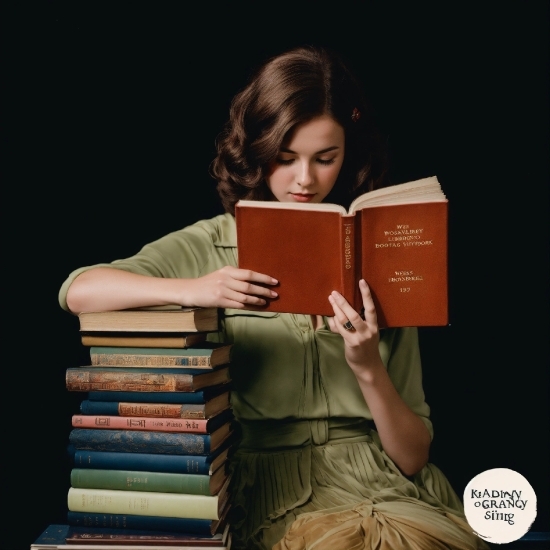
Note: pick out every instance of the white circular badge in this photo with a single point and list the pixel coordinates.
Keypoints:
(500, 505)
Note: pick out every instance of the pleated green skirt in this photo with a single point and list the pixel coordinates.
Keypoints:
(327, 484)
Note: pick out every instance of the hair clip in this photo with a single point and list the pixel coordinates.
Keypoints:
(355, 114)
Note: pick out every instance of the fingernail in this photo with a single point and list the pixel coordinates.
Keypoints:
(274, 294)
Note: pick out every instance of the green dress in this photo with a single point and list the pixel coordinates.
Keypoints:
(309, 450)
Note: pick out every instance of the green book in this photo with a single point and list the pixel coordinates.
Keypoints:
(208, 355)
(158, 482)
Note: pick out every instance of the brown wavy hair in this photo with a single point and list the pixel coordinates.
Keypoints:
(290, 89)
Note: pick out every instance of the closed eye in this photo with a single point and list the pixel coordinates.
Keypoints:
(284, 162)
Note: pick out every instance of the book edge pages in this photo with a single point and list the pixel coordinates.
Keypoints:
(318, 207)
(417, 191)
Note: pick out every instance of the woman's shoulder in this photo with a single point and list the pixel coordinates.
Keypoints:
(220, 229)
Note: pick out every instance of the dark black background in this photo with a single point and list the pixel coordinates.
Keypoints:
(111, 113)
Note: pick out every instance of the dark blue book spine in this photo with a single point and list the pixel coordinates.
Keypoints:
(99, 407)
(128, 521)
(135, 441)
(53, 534)
(142, 462)
(194, 398)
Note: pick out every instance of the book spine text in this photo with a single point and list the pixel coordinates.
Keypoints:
(185, 425)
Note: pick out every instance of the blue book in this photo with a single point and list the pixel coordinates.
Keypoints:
(58, 536)
(145, 462)
(150, 523)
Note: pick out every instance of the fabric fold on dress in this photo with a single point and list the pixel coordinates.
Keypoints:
(344, 492)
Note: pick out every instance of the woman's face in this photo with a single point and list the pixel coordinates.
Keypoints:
(308, 162)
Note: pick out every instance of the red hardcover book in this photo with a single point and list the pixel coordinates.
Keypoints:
(145, 423)
(396, 238)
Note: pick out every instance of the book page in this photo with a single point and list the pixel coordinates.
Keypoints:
(423, 190)
(320, 207)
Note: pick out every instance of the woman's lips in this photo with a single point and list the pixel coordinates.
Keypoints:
(298, 197)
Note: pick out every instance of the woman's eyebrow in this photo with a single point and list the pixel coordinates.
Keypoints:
(286, 150)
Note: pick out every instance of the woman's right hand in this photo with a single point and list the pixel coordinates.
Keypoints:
(229, 287)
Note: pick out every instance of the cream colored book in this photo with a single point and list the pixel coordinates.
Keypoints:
(146, 503)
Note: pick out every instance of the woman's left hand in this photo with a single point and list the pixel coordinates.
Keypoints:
(361, 340)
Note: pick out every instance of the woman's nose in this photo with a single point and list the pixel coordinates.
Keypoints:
(305, 174)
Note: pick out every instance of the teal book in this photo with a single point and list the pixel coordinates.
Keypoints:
(194, 397)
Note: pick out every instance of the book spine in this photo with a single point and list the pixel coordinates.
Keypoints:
(197, 397)
(349, 260)
(135, 441)
(152, 410)
(130, 521)
(120, 340)
(136, 480)
(103, 538)
(99, 407)
(137, 360)
(112, 460)
(143, 503)
(184, 425)
(81, 379)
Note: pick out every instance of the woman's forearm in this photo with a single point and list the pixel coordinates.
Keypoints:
(404, 436)
(105, 288)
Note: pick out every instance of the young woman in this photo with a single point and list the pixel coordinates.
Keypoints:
(335, 427)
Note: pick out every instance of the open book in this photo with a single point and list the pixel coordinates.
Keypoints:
(395, 238)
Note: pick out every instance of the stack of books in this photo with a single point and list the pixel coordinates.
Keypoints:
(150, 444)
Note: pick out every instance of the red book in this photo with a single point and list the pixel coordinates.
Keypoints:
(152, 424)
(396, 238)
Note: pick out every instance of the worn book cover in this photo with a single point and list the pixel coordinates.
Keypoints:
(207, 356)
(137, 441)
(90, 378)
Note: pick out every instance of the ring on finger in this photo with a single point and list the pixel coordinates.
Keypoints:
(348, 326)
